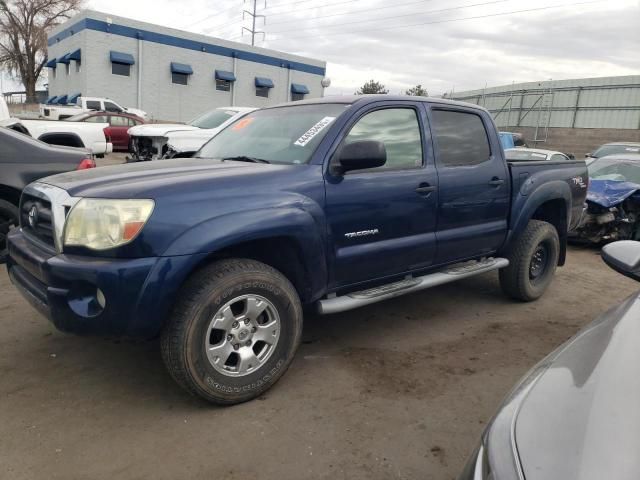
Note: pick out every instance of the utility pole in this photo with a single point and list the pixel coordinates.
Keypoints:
(253, 14)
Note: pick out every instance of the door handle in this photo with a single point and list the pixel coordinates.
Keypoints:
(496, 182)
(425, 189)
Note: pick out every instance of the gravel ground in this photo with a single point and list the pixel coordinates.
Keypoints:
(397, 390)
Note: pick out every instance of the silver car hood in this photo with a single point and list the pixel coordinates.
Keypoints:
(581, 420)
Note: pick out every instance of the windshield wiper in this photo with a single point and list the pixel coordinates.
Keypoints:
(244, 158)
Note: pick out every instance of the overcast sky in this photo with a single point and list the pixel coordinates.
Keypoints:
(435, 43)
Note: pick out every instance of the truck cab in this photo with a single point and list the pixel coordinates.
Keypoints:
(329, 203)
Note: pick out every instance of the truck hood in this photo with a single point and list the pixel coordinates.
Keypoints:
(190, 140)
(581, 418)
(159, 179)
(609, 193)
(158, 129)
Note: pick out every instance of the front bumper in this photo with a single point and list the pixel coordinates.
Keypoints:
(94, 295)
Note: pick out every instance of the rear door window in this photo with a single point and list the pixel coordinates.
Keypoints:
(93, 105)
(461, 138)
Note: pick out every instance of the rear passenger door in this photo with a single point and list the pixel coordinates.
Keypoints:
(473, 184)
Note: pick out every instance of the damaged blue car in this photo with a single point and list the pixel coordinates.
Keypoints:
(613, 200)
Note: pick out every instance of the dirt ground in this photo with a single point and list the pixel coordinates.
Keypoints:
(398, 390)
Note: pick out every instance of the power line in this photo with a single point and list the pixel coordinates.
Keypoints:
(395, 27)
(413, 14)
(353, 12)
(314, 6)
(253, 16)
(210, 16)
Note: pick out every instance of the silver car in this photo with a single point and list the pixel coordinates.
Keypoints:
(576, 415)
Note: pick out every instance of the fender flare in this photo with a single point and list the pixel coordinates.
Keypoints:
(525, 206)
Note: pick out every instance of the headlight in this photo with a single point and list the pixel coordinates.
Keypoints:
(101, 224)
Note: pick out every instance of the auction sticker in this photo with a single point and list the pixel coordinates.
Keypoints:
(313, 131)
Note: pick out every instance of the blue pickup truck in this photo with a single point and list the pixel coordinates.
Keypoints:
(331, 203)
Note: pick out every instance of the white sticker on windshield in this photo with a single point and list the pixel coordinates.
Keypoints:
(539, 155)
(313, 131)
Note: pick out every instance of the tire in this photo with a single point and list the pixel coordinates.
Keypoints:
(9, 217)
(532, 262)
(216, 363)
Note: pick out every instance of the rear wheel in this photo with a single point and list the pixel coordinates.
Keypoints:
(233, 332)
(9, 218)
(532, 262)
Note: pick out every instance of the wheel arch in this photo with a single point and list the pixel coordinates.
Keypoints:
(62, 139)
(551, 203)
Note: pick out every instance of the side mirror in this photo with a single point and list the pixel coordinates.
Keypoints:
(623, 257)
(587, 155)
(361, 155)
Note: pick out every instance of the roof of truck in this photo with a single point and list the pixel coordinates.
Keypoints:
(364, 99)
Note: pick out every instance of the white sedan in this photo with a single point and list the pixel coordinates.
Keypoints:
(521, 154)
(151, 141)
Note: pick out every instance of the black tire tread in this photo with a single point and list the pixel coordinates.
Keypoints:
(512, 278)
(176, 328)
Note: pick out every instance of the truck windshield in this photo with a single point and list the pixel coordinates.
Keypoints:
(212, 119)
(278, 135)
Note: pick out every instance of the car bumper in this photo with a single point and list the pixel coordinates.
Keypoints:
(96, 296)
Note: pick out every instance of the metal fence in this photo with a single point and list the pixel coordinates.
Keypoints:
(611, 102)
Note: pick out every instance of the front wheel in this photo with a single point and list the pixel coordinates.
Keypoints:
(532, 262)
(233, 332)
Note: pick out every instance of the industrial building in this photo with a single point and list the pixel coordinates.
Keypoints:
(569, 115)
(171, 74)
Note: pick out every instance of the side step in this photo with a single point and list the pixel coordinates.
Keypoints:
(409, 285)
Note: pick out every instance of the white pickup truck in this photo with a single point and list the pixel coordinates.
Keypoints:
(153, 141)
(70, 134)
(57, 108)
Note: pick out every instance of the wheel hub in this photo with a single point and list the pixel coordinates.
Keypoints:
(242, 335)
(538, 262)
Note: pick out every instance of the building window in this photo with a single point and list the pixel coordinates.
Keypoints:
(262, 92)
(179, 78)
(223, 85)
(78, 66)
(297, 96)
(67, 68)
(53, 73)
(121, 69)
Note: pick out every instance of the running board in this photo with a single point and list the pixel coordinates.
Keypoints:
(409, 285)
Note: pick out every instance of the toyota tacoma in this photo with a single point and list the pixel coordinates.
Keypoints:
(329, 203)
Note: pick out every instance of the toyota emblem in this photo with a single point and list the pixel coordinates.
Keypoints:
(33, 216)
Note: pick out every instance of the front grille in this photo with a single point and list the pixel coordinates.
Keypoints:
(36, 218)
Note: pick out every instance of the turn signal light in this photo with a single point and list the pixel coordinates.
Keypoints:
(86, 163)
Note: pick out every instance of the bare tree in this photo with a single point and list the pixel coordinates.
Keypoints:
(23, 36)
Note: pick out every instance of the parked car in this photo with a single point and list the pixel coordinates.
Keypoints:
(91, 136)
(149, 142)
(613, 149)
(534, 155)
(511, 140)
(574, 416)
(57, 108)
(119, 125)
(334, 203)
(613, 200)
(24, 160)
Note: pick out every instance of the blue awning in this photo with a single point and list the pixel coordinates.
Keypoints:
(123, 58)
(226, 76)
(75, 55)
(65, 59)
(299, 88)
(51, 63)
(62, 100)
(74, 97)
(264, 82)
(52, 100)
(181, 68)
